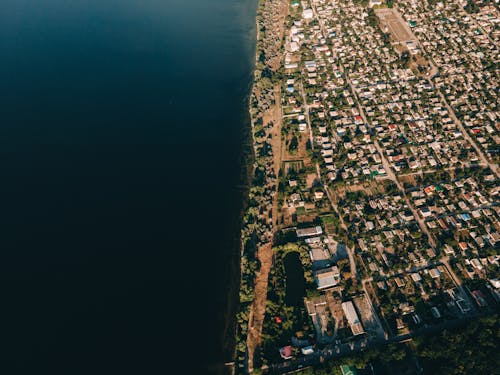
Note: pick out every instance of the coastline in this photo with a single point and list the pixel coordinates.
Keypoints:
(257, 230)
(229, 336)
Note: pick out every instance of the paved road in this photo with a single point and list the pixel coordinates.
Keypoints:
(390, 172)
(337, 351)
(332, 351)
(459, 283)
(385, 163)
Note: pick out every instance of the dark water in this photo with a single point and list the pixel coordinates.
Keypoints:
(295, 283)
(121, 131)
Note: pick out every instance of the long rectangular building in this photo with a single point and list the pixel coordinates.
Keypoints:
(308, 232)
(352, 318)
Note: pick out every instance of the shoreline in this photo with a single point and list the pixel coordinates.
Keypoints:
(230, 330)
(258, 229)
(247, 159)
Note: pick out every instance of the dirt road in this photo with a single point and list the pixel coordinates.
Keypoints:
(258, 309)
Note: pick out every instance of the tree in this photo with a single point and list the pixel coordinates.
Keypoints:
(463, 350)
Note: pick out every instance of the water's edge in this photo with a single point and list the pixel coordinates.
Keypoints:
(247, 159)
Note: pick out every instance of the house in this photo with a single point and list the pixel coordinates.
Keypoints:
(348, 370)
(476, 264)
(286, 352)
(318, 195)
(434, 273)
(400, 283)
(307, 350)
(400, 324)
(495, 283)
(425, 212)
(479, 298)
(448, 250)
(416, 277)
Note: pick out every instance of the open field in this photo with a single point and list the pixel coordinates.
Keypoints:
(391, 21)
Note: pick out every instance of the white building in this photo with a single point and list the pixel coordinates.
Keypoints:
(375, 2)
(294, 47)
(327, 277)
(307, 14)
(352, 318)
(307, 232)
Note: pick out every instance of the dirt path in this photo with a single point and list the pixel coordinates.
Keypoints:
(277, 11)
(258, 309)
(277, 119)
(265, 252)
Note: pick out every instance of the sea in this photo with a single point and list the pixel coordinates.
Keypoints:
(123, 145)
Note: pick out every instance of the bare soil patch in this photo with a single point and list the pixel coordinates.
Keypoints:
(410, 179)
(258, 308)
(311, 177)
(369, 187)
(391, 21)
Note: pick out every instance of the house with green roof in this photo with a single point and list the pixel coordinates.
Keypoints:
(348, 370)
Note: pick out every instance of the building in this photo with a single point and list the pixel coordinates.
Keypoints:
(307, 14)
(307, 350)
(308, 232)
(348, 370)
(400, 283)
(352, 318)
(479, 298)
(495, 283)
(375, 3)
(327, 277)
(434, 273)
(416, 277)
(291, 66)
(320, 257)
(286, 352)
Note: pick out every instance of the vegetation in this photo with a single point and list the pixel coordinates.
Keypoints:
(464, 350)
(257, 227)
(469, 349)
(293, 320)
